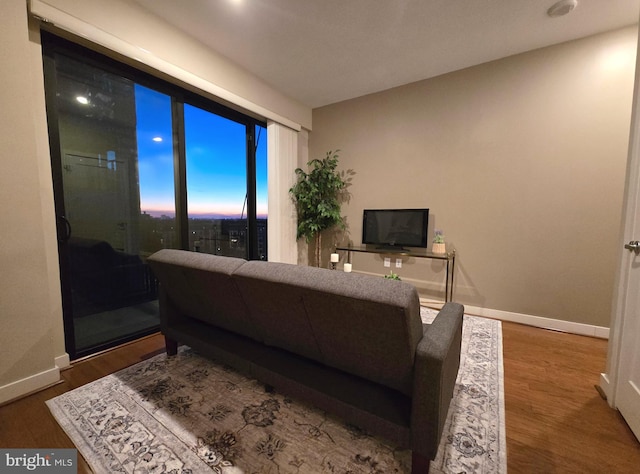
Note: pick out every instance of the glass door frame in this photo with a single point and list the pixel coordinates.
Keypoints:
(52, 44)
(250, 124)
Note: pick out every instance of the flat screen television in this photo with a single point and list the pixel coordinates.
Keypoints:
(394, 229)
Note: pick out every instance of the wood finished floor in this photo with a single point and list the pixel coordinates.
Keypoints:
(556, 421)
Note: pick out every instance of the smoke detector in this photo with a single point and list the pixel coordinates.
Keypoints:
(561, 8)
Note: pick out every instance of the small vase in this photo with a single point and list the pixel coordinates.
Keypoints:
(438, 248)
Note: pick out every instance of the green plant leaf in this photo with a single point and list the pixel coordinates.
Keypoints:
(318, 196)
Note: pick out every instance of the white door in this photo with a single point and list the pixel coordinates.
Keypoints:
(627, 384)
(627, 397)
(621, 383)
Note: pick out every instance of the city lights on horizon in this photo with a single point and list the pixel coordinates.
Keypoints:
(197, 215)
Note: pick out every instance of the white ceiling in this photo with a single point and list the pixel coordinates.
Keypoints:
(325, 51)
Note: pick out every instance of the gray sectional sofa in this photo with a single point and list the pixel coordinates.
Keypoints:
(353, 345)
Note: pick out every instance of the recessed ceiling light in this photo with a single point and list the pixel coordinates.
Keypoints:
(82, 99)
(561, 8)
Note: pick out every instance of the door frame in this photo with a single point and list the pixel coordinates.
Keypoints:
(621, 314)
(51, 44)
(63, 234)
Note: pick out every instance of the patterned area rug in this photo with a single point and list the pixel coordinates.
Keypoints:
(187, 414)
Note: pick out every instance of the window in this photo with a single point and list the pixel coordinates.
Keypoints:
(139, 165)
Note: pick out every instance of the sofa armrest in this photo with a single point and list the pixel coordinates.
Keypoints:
(435, 372)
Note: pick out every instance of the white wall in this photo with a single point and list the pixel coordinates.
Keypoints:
(30, 305)
(124, 27)
(31, 337)
(521, 162)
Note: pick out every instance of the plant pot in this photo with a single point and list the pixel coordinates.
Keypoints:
(438, 248)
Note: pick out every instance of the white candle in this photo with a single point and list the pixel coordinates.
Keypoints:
(347, 267)
(335, 258)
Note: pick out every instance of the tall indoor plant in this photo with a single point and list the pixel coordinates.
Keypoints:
(318, 195)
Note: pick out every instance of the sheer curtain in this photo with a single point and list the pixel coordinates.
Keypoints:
(283, 160)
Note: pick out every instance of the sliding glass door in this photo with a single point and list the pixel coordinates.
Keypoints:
(108, 169)
(216, 151)
(226, 181)
(138, 167)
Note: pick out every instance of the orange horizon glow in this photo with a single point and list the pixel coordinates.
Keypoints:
(198, 210)
(201, 215)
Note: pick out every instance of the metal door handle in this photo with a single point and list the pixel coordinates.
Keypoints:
(67, 230)
(634, 246)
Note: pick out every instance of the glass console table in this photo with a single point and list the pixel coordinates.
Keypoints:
(449, 257)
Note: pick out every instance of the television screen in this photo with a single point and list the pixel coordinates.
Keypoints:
(395, 228)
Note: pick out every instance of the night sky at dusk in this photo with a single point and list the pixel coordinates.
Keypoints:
(216, 160)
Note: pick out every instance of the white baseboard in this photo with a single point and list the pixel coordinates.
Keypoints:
(63, 361)
(530, 320)
(28, 385)
(540, 322)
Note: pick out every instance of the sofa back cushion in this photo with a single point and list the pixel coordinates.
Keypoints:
(364, 325)
(201, 286)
